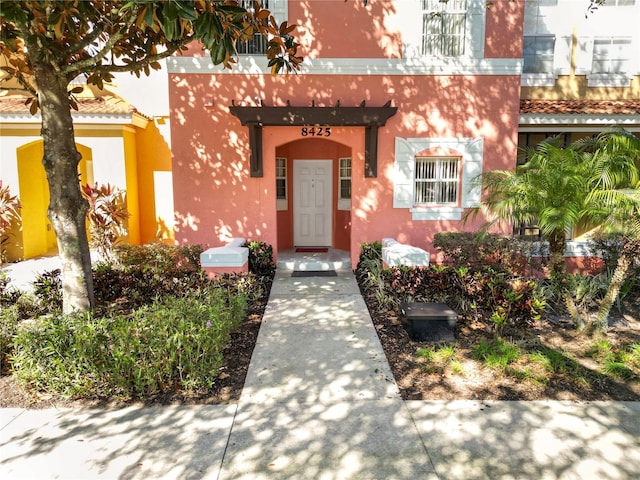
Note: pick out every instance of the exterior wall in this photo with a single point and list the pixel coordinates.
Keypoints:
(472, 97)
(131, 182)
(573, 76)
(575, 87)
(154, 184)
(216, 199)
(327, 32)
(504, 30)
(127, 157)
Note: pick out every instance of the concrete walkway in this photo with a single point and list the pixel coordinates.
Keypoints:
(320, 403)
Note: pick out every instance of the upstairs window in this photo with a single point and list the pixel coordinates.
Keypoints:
(538, 53)
(618, 3)
(611, 55)
(258, 44)
(444, 27)
(436, 181)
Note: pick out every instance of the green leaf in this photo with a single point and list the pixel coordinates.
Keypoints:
(186, 10)
(170, 11)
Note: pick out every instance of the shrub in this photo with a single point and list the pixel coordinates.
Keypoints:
(174, 343)
(159, 256)
(107, 217)
(9, 320)
(499, 300)
(47, 287)
(9, 213)
(478, 250)
(261, 258)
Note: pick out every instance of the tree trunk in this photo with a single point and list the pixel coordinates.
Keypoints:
(601, 322)
(67, 208)
(560, 276)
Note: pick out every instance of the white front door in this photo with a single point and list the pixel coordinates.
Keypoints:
(312, 203)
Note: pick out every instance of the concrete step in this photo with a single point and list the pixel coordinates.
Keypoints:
(312, 261)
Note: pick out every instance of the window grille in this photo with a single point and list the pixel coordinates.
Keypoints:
(444, 26)
(281, 178)
(344, 178)
(436, 181)
(258, 44)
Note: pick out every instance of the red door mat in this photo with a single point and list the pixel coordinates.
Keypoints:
(311, 250)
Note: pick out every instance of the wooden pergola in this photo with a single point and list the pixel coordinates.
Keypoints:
(371, 118)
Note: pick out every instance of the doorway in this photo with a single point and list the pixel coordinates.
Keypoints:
(312, 196)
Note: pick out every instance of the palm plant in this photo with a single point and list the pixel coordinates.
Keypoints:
(592, 182)
(549, 190)
(613, 203)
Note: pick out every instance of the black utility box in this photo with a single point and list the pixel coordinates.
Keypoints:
(431, 322)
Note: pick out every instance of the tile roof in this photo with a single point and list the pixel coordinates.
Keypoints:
(107, 105)
(584, 107)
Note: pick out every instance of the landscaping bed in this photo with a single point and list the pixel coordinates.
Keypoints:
(524, 353)
(161, 333)
(554, 362)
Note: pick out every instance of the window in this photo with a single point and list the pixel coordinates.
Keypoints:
(444, 26)
(344, 184)
(529, 140)
(258, 44)
(538, 53)
(436, 181)
(542, 53)
(618, 3)
(611, 55)
(345, 178)
(436, 178)
(281, 183)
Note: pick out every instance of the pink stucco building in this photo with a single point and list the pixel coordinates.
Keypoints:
(398, 107)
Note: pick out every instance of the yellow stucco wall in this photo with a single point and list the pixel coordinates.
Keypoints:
(143, 156)
(574, 87)
(154, 159)
(133, 199)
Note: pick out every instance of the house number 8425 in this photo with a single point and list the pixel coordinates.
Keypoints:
(315, 131)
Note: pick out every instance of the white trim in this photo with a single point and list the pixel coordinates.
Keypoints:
(474, 31)
(621, 80)
(115, 119)
(538, 79)
(344, 204)
(470, 149)
(573, 249)
(356, 66)
(282, 203)
(436, 213)
(578, 119)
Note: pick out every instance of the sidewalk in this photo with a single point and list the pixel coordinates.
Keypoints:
(320, 403)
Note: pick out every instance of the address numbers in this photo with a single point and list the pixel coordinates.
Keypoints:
(315, 131)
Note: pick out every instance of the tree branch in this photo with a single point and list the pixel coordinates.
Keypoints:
(133, 66)
(84, 65)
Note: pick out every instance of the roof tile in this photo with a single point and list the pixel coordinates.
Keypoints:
(584, 107)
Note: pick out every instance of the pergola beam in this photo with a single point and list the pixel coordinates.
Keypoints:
(371, 118)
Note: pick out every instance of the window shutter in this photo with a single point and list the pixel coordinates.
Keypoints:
(584, 56)
(403, 171)
(471, 168)
(562, 56)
